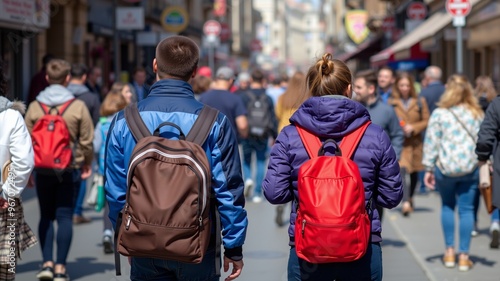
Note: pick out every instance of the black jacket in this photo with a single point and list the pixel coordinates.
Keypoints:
(488, 144)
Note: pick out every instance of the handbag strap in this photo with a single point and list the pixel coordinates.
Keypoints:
(463, 125)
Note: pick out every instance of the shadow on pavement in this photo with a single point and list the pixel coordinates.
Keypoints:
(80, 268)
(393, 243)
(474, 259)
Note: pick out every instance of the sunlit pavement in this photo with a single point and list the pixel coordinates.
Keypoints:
(412, 247)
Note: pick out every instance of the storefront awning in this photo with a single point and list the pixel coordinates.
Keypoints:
(366, 49)
(401, 50)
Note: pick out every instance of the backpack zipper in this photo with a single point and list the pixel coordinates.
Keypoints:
(200, 170)
(304, 222)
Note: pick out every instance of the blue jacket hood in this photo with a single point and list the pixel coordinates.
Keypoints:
(330, 116)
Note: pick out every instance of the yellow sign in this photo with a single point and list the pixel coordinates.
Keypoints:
(174, 19)
(356, 25)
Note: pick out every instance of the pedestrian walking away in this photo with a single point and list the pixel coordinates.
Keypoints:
(16, 163)
(170, 112)
(113, 102)
(57, 184)
(451, 165)
(331, 115)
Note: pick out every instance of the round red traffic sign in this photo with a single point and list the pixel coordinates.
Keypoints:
(256, 45)
(458, 8)
(416, 11)
(388, 24)
(212, 27)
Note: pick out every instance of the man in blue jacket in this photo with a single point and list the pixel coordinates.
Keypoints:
(172, 99)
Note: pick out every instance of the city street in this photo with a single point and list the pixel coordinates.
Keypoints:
(412, 247)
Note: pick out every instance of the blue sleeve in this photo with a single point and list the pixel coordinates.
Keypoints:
(277, 182)
(228, 186)
(115, 172)
(390, 185)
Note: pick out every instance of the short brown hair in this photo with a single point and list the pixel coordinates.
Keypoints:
(57, 71)
(200, 84)
(177, 56)
(113, 102)
(328, 76)
(257, 76)
(369, 76)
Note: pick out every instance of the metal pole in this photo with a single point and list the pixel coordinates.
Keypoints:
(116, 44)
(460, 67)
(211, 58)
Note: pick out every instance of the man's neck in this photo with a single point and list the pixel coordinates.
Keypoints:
(385, 90)
(221, 85)
(371, 100)
(255, 85)
(76, 81)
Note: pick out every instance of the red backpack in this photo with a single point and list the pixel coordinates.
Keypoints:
(332, 221)
(51, 140)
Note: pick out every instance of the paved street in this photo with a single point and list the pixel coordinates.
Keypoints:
(412, 247)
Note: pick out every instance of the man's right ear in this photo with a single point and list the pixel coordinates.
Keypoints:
(47, 77)
(371, 89)
(155, 66)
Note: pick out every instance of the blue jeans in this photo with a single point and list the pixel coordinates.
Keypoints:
(459, 191)
(79, 200)
(260, 148)
(495, 216)
(149, 269)
(368, 268)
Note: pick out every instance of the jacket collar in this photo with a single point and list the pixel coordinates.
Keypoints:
(171, 87)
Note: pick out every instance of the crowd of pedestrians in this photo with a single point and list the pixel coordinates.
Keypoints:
(422, 135)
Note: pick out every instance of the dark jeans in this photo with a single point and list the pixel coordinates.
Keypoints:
(409, 189)
(260, 147)
(368, 268)
(56, 198)
(79, 199)
(149, 269)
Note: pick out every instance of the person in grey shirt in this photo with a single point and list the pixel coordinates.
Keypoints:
(435, 88)
(365, 85)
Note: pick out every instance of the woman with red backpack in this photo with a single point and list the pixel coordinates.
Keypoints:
(331, 117)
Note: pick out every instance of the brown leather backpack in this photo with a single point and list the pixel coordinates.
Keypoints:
(167, 209)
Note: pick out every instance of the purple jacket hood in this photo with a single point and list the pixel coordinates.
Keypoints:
(330, 116)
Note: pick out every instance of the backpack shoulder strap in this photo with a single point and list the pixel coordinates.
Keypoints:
(310, 141)
(351, 141)
(135, 123)
(203, 125)
(65, 106)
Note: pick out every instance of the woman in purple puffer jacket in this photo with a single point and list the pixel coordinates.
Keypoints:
(331, 114)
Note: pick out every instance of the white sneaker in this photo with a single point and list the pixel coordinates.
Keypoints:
(248, 187)
(257, 199)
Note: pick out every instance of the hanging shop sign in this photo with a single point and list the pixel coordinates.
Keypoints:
(356, 25)
(26, 12)
(174, 19)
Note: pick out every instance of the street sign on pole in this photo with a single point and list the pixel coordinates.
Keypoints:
(212, 27)
(459, 9)
(416, 11)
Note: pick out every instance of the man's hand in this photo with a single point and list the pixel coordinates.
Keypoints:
(86, 172)
(237, 267)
